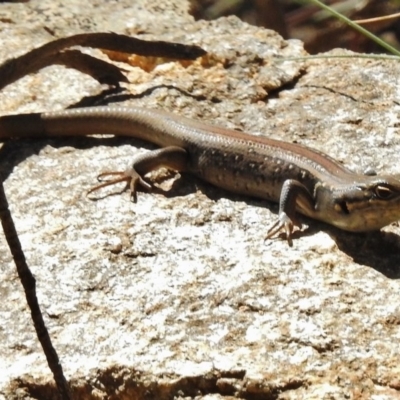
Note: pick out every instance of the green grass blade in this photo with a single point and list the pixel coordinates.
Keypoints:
(357, 27)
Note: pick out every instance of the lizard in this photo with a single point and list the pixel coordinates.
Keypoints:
(300, 179)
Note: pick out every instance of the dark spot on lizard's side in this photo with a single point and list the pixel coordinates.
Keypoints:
(343, 207)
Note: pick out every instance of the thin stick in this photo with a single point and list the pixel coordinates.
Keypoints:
(29, 284)
(377, 19)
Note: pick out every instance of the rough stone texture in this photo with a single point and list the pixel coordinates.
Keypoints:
(179, 295)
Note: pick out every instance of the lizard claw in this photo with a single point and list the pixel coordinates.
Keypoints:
(286, 223)
(130, 176)
(135, 181)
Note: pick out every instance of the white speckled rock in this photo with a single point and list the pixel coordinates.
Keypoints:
(179, 295)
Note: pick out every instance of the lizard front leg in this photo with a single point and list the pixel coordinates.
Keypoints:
(292, 193)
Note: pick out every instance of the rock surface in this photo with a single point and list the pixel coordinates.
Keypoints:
(179, 295)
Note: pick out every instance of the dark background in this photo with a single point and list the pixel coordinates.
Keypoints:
(315, 27)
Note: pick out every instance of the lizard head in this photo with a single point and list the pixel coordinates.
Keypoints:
(367, 204)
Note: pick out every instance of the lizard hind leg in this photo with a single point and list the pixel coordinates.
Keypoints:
(172, 157)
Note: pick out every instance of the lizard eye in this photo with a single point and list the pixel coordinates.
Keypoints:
(383, 192)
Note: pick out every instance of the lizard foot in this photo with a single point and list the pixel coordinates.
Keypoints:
(285, 223)
(130, 176)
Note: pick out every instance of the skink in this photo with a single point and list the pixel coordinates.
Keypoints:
(298, 178)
